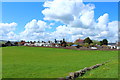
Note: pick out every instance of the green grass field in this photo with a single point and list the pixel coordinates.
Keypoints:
(36, 62)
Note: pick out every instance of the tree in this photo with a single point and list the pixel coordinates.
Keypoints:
(31, 42)
(101, 43)
(8, 43)
(86, 45)
(64, 43)
(64, 40)
(60, 41)
(76, 43)
(22, 42)
(55, 41)
(95, 42)
(70, 44)
(34, 42)
(105, 42)
(49, 41)
(87, 40)
(3, 45)
(92, 45)
(16, 43)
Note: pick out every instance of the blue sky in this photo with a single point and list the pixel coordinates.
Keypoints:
(21, 13)
(24, 12)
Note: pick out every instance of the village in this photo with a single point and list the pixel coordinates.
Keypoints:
(86, 44)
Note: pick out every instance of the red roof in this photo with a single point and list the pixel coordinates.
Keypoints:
(79, 40)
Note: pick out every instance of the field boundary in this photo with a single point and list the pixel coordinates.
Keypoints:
(76, 48)
(80, 73)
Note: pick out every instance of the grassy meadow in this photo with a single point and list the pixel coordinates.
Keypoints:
(38, 62)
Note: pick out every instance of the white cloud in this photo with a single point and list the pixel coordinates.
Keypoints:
(12, 36)
(103, 21)
(80, 21)
(6, 31)
(113, 27)
(62, 10)
(7, 27)
(34, 30)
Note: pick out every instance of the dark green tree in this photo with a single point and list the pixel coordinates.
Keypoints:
(3, 45)
(101, 43)
(87, 40)
(105, 42)
(49, 41)
(60, 41)
(8, 43)
(64, 43)
(55, 41)
(63, 40)
(70, 44)
(42, 41)
(34, 42)
(16, 43)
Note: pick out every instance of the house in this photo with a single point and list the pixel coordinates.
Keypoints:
(79, 41)
(118, 45)
(22, 43)
(113, 46)
(27, 44)
(45, 44)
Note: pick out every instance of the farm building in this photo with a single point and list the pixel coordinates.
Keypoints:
(79, 41)
(114, 45)
(41, 44)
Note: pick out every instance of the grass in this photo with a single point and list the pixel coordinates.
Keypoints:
(37, 62)
(109, 70)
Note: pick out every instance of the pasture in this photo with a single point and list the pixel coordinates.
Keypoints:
(38, 62)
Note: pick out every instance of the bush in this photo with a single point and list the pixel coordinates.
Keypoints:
(3, 45)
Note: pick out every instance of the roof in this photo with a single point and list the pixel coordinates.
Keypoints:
(74, 45)
(79, 40)
(111, 43)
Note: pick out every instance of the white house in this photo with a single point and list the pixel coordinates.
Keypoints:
(40, 44)
(113, 46)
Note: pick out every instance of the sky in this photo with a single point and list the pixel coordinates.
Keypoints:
(59, 19)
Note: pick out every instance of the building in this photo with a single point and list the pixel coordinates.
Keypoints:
(114, 45)
(44, 44)
(79, 41)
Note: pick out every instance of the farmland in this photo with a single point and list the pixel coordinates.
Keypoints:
(38, 62)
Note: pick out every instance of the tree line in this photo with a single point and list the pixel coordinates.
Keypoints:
(87, 42)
